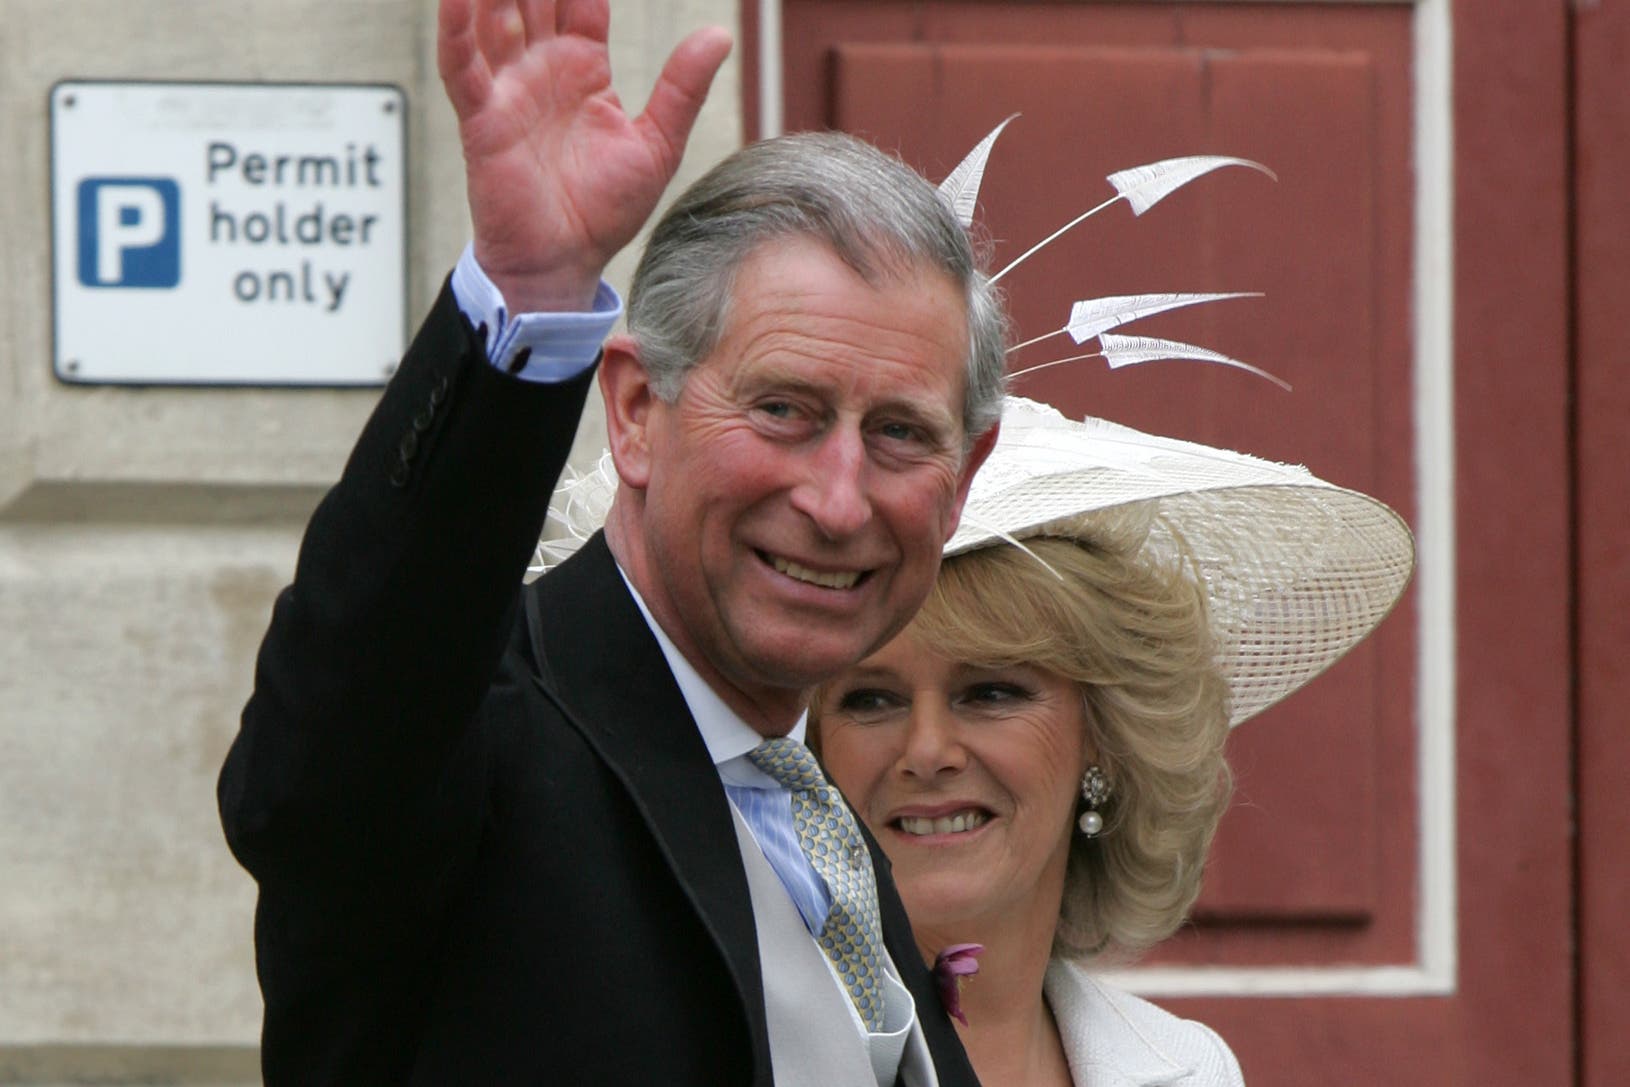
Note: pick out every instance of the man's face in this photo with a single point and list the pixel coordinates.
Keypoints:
(802, 484)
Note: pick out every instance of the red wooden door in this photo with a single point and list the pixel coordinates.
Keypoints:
(1602, 410)
(1391, 899)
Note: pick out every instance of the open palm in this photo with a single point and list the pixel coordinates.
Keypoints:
(559, 176)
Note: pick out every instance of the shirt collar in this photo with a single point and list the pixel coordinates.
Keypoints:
(727, 736)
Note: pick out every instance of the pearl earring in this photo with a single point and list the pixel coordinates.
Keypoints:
(1094, 790)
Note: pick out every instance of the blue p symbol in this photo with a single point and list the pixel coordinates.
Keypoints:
(129, 232)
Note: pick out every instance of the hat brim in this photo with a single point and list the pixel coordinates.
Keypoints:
(1296, 570)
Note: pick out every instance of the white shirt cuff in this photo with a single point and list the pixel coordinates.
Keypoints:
(533, 346)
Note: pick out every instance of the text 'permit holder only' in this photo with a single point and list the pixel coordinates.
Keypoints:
(228, 233)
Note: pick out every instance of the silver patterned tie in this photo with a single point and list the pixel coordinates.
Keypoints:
(852, 935)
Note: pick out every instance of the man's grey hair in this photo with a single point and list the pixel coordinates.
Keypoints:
(876, 213)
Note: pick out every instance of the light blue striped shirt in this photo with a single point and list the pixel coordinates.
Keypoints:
(764, 804)
(560, 345)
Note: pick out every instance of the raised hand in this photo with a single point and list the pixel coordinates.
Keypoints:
(559, 176)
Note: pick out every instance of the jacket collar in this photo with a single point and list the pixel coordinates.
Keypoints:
(597, 661)
(1105, 1047)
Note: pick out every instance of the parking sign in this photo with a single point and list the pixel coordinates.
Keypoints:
(129, 232)
(227, 233)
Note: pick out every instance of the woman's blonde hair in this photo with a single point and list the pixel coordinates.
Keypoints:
(1133, 633)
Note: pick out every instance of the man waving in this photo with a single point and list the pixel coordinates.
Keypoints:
(563, 834)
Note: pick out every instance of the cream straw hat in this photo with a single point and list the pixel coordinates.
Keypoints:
(1296, 570)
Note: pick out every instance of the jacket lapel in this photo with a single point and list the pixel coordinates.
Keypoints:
(1104, 1048)
(599, 664)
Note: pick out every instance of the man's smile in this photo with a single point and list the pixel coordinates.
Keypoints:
(826, 579)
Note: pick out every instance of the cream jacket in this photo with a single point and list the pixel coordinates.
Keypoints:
(1114, 1039)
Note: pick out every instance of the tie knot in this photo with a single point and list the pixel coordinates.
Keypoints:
(789, 762)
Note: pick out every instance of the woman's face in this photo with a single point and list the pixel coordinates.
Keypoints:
(967, 775)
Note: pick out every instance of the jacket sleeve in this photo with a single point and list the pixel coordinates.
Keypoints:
(356, 778)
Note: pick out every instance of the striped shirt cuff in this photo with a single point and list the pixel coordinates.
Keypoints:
(543, 347)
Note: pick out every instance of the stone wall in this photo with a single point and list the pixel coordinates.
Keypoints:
(145, 531)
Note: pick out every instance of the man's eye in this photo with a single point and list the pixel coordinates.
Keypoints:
(899, 432)
(780, 409)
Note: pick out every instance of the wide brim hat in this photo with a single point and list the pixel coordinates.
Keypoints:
(1296, 570)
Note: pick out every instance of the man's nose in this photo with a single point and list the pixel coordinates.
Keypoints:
(834, 494)
(932, 743)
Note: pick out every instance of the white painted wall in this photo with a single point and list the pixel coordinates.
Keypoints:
(144, 532)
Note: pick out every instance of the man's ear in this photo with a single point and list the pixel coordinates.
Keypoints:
(626, 389)
(976, 456)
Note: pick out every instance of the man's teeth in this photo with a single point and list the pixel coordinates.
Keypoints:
(815, 577)
(950, 824)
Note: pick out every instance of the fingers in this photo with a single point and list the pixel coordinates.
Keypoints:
(589, 18)
(500, 30)
(458, 59)
(681, 89)
(538, 19)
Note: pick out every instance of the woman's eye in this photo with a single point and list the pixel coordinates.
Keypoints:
(996, 693)
(866, 701)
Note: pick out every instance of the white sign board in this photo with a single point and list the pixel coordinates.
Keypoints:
(228, 233)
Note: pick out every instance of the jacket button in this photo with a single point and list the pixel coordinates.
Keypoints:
(399, 475)
(409, 446)
(422, 421)
(438, 391)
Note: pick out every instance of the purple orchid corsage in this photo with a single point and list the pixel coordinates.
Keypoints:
(955, 963)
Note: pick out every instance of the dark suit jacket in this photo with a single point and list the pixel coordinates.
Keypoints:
(490, 842)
